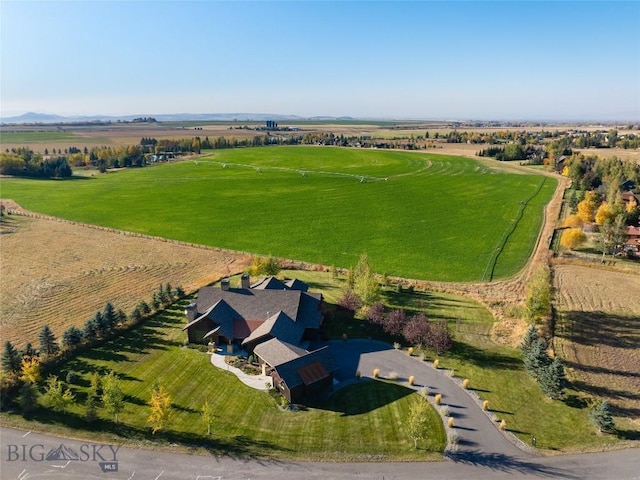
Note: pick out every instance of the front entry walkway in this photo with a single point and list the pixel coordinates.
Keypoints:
(259, 382)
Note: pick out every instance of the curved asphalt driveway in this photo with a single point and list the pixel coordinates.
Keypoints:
(478, 435)
(483, 452)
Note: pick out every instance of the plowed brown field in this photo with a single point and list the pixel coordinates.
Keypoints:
(60, 274)
(598, 333)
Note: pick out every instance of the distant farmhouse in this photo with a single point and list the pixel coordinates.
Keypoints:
(272, 319)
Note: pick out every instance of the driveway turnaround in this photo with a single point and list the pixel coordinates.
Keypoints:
(482, 452)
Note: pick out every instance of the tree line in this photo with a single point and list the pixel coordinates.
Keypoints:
(24, 162)
(26, 365)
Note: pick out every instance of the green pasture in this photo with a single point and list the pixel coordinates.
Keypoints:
(33, 137)
(417, 215)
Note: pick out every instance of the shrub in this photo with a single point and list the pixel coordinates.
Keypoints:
(451, 422)
(424, 392)
(410, 351)
(349, 301)
(423, 356)
(393, 376)
(396, 345)
(485, 405)
(436, 362)
(444, 411)
(412, 379)
(453, 438)
(376, 372)
(503, 425)
(72, 377)
(438, 398)
(465, 383)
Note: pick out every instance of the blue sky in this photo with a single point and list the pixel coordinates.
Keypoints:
(425, 60)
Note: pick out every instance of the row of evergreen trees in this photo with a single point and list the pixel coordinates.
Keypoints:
(549, 373)
(18, 364)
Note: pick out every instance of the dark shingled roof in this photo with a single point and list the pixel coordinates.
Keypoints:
(227, 307)
(296, 284)
(269, 283)
(289, 372)
(279, 326)
(275, 352)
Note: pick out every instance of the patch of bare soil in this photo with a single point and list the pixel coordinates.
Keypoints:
(59, 273)
(598, 333)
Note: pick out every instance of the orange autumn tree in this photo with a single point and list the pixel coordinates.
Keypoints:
(572, 238)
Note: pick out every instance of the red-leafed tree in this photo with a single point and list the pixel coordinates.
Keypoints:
(395, 322)
(439, 337)
(416, 330)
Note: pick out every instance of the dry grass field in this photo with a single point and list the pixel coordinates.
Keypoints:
(598, 333)
(60, 274)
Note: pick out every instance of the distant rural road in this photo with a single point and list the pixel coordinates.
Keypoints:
(132, 464)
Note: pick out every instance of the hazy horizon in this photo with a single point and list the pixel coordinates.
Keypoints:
(502, 61)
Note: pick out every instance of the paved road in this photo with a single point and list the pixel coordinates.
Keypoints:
(23, 459)
(483, 452)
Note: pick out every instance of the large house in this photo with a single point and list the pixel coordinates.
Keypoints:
(273, 319)
(632, 243)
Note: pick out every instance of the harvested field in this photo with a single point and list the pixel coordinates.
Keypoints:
(598, 333)
(60, 274)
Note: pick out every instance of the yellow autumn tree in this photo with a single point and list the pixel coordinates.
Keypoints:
(572, 238)
(587, 208)
(573, 221)
(631, 205)
(160, 409)
(604, 213)
(30, 370)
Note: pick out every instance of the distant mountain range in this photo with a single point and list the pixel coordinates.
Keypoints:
(32, 117)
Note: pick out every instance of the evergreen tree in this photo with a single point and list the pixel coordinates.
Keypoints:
(145, 309)
(600, 416)
(179, 292)
(10, 358)
(537, 358)
(48, 344)
(91, 329)
(28, 351)
(72, 337)
(552, 379)
(527, 341)
(28, 397)
(109, 317)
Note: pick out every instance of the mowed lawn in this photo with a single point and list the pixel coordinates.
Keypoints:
(362, 422)
(416, 215)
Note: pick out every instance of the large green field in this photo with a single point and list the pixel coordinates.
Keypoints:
(32, 137)
(416, 215)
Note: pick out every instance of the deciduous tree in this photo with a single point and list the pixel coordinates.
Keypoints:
(112, 395)
(418, 421)
(30, 370)
(160, 409)
(208, 415)
(572, 238)
(56, 396)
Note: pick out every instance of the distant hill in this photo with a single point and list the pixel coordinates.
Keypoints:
(32, 117)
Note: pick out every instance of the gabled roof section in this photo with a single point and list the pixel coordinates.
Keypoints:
(201, 317)
(289, 372)
(275, 352)
(312, 373)
(269, 283)
(279, 326)
(295, 284)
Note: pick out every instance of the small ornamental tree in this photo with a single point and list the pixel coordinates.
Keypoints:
(600, 416)
(30, 370)
(160, 409)
(418, 421)
(395, 322)
(350, 301)
(375, 313)
(208, 415)
(56, 396)
(112, 395)
(439, 337)
(416, 330)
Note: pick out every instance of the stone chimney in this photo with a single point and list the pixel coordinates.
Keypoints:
(224, 284)
(244, 281)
